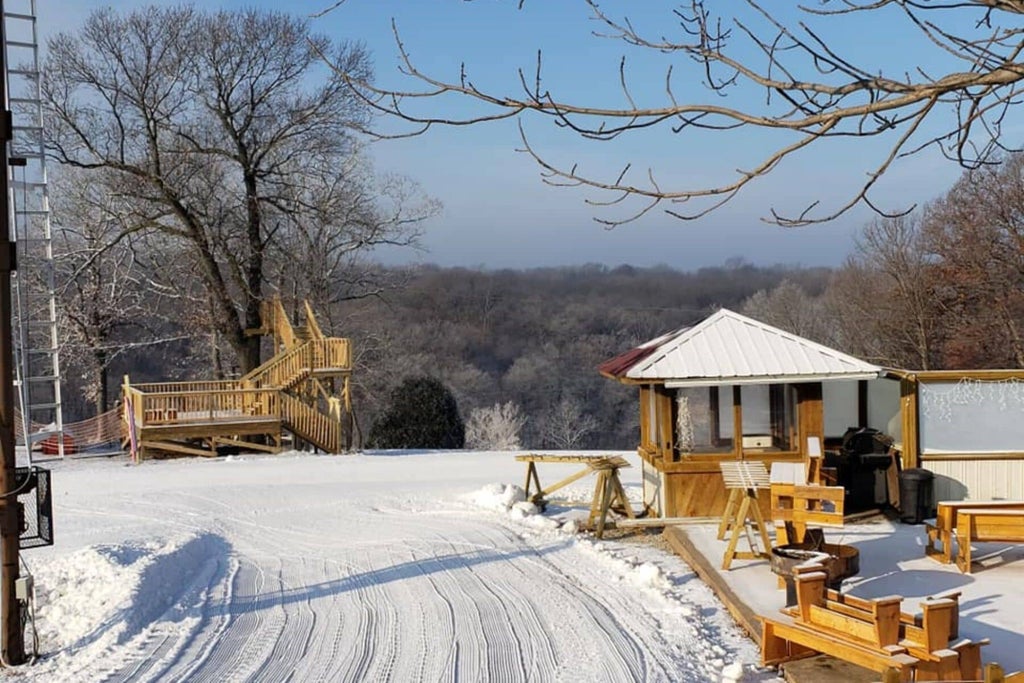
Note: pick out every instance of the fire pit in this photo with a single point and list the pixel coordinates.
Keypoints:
(840, 562)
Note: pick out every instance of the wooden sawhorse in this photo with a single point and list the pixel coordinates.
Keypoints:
(743, 479)
(607, 492)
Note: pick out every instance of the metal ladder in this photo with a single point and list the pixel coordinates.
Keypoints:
(36, 343)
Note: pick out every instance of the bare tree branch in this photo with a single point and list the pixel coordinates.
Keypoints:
(812, 91)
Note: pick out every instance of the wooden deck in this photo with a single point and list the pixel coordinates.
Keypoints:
(302, 390)
(691, 544)
(810, 670)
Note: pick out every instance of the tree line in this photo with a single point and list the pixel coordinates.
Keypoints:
(939, 288)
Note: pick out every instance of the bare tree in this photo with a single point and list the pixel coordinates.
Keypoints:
(221, 133)
(788, 307)
(770, 66)
(104, 303)
(884, 301)
(565, 426)
(495, 428)
(976, 235)
(317, 262)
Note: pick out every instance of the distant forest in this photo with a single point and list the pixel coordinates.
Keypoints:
(535, 338)
(530, 337)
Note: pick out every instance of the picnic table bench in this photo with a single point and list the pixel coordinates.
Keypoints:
(608, 491)
(873, 633)
(947, 520)
(986, 525)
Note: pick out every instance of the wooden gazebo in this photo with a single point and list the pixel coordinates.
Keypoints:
(731, 388)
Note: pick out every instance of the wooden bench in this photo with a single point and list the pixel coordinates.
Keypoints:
(784, 639)
(946, 522)
(986, 525)
(865, 605)
(992, 673)
(874, 634)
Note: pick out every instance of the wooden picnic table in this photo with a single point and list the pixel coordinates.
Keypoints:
(986, 525)
(947, 521)
(608, 490)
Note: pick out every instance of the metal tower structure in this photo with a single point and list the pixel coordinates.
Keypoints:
(36, 344)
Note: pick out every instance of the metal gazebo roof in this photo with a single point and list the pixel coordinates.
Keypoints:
(729, 348)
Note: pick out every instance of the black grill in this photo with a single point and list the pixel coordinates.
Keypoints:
(863, 452)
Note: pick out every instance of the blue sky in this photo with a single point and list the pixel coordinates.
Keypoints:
(498, 213)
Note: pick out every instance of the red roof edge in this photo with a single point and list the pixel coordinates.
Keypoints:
(618, 366)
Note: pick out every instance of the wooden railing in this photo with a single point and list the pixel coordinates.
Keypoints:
(281, 371)
(331, 353)
(181, 387)
(310, 424)
(312, 326)
(259, 394)
(285, 369)
(275, 319)
(172, 408)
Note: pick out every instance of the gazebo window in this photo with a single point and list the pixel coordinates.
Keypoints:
(769, 416)
(703, 420)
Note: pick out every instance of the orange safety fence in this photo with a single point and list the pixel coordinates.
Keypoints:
(93, 431)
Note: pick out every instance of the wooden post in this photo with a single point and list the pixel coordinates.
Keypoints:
(936, 620)
(887, 620)
(810, 591)
(531, 474)
(908, 416)
(666, 427)
(607, 491)
(737, 421)
(738, 525)
(731, 505)
(970, 661)
(994, 673)
(810, 416)
(891, 675)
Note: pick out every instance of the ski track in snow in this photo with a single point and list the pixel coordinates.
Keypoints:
(321, 580)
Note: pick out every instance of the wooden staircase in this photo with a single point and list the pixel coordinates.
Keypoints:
(303, 389)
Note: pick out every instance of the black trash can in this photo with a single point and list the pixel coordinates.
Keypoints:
(916, 495)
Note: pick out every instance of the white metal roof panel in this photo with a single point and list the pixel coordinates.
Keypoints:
(727, 345)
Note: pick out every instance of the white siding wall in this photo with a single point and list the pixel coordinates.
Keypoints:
(977, 479)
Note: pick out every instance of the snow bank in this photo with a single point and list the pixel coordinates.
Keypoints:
(499, 497)
(107, 594)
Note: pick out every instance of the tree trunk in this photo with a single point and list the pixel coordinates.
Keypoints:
(100, 376)
(254, 276)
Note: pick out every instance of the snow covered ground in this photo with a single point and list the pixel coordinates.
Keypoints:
(377, 567)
